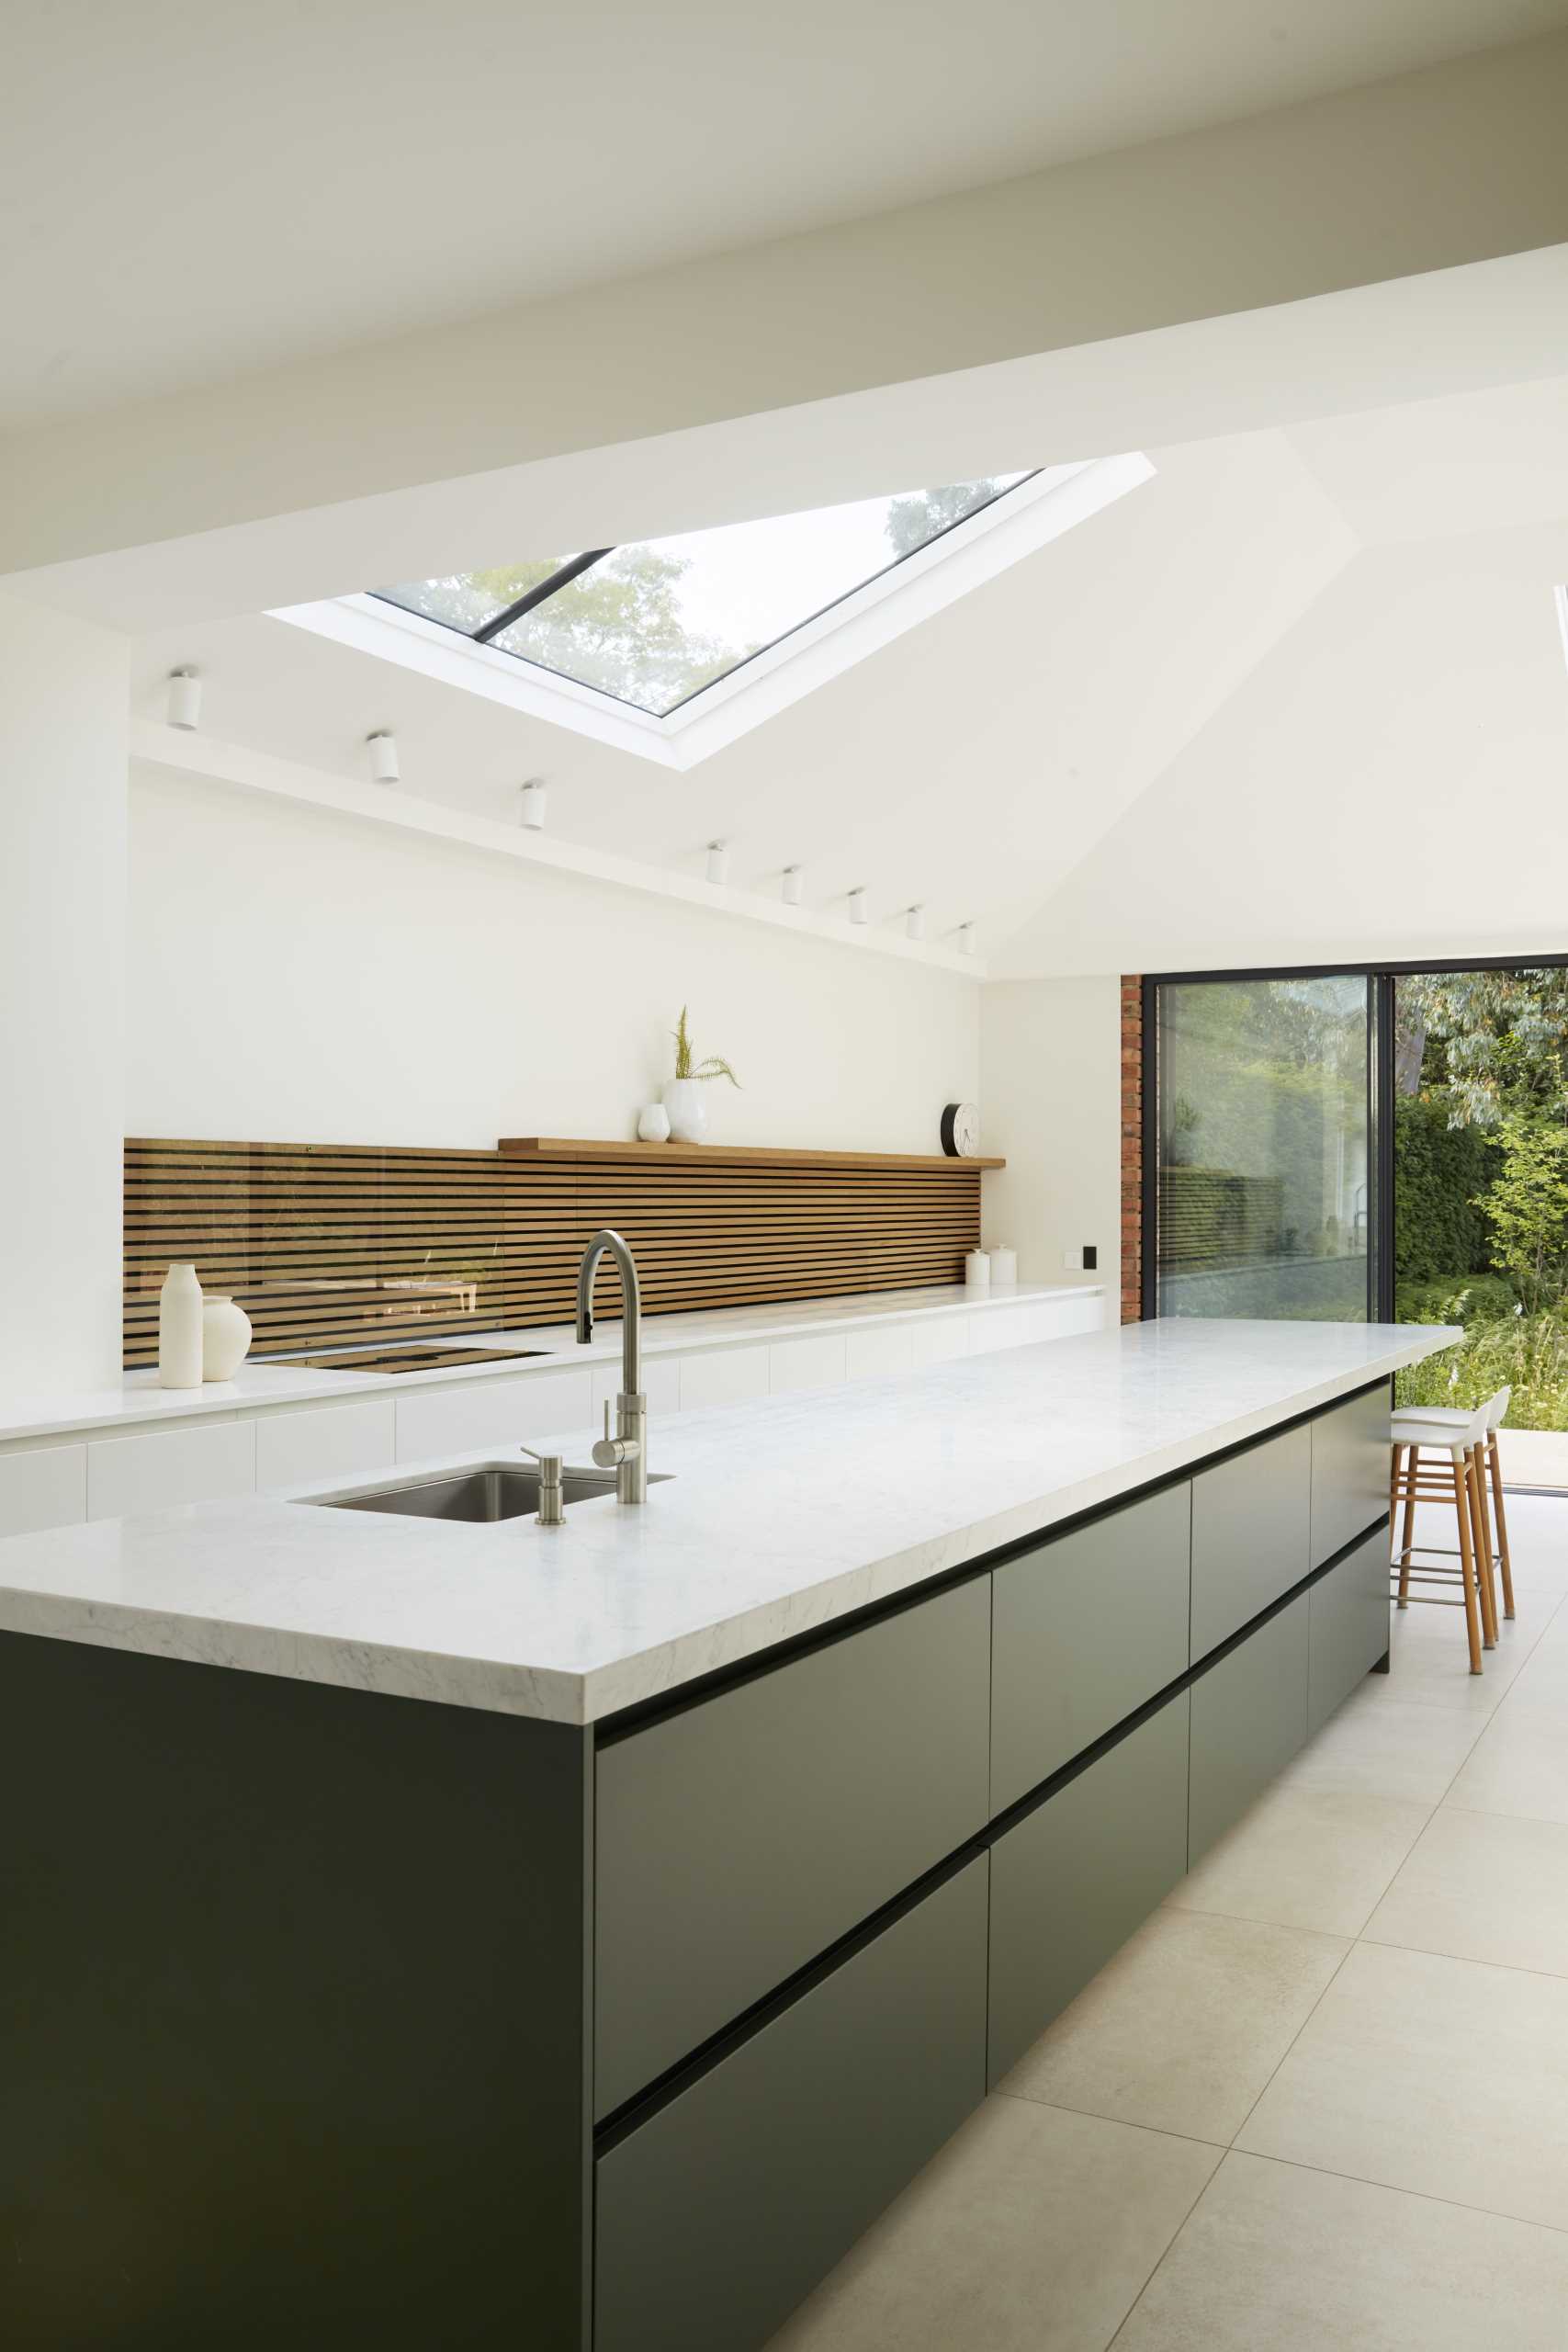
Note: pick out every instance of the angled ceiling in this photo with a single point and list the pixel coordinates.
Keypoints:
(279, 188)
(1283, 700)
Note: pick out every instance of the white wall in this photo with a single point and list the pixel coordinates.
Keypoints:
(296, 976)
(1051, 1094)
(62, 788)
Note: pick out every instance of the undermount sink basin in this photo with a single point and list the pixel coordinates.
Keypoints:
(489, 1492)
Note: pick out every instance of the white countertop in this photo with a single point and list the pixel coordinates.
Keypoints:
(137, 1399)
(782, 1515)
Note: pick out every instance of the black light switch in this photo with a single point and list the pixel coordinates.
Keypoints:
(1090, 1256)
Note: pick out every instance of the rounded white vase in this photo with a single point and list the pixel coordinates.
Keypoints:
(225, 1338)
(685, 1101)
(179, 1327)
(653, 1123)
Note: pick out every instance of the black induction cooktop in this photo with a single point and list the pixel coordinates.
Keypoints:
(413, 1359)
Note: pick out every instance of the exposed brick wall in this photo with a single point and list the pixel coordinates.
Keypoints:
(1132, 1148)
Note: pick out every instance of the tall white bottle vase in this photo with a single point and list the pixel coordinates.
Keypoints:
(685, 1099)
(179, 1329)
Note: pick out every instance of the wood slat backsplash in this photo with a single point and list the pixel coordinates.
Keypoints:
(330, 1245)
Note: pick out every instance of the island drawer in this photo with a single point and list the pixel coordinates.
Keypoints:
(1248, 1720)
(1074, 1878)
(1085, 1630)
(1346, 1626)
(720, 2213)
(1250, 1534)
(1349, 1471)
(740, 1837)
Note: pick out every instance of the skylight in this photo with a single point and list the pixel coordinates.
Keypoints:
(653, 622)
(672, 649)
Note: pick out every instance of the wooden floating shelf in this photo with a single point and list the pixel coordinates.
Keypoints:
(748, 1155)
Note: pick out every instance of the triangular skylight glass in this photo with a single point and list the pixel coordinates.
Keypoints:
(654, 622)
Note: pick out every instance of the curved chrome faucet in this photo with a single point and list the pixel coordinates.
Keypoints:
(626, 1452)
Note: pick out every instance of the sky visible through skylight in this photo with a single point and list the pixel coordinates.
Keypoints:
(654, 622)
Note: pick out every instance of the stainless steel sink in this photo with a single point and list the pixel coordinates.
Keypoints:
(490, 1491)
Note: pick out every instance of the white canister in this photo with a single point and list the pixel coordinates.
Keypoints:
(685, 1101)
(976, 1271)
(225, 1338)
(1004, 1267)
(179, 1329)
(653, 1123)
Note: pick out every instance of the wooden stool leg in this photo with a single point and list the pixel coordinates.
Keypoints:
(1467, 1555)
(1494, 1463)
(1407, 1534)
(1481, 1525)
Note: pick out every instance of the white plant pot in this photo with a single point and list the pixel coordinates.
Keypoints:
(225, 1338)
(653, 1123)
(179, 1329)
(684, 1099)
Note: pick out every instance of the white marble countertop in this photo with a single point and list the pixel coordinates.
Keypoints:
(781, 1516)
(137, 1399)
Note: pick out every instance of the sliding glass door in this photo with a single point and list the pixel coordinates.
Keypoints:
(1262, 1116)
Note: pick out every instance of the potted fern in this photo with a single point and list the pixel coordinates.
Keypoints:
(683, 1093)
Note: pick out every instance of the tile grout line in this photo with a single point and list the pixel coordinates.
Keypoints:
(1391, 2188)
(1093, 2115)
(1483, 1725)
(1361, 1936)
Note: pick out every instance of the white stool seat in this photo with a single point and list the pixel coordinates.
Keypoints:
(1443, 1425)
(1496, 1407)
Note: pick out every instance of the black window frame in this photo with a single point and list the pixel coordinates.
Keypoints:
(1381, 975)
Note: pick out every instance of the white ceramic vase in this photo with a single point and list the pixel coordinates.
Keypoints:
(684, 1099)
(225, 1338)
(179, 1329)
(653, 1123)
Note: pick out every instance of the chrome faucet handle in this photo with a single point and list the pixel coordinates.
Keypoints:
(552, 1496)
(609, 1451)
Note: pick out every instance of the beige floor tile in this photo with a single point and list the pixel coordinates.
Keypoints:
(1542, 1685)
(1306, 1857)
(1378, 1745)
(1276, 2260)
(1032, 2230)
(1182, 2030)
(1443, 2076)
(1483, 1886)
(1519, 1764)
(1429, 1662)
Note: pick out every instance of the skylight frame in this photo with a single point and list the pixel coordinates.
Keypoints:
(544, 591)
(947, 567)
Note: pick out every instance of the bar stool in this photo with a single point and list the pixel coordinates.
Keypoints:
(1489, 1511)
(1489, 1464)
(1463, 1437)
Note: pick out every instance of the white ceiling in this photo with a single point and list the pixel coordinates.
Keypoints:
(192, 191)
(1308, 678)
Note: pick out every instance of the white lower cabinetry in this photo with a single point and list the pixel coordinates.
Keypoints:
(938, 1341)
(723, 1377)
(46, 1486)
(57, 1482)
(816, 1362)
(872, 1355)
(494, 1412)
(209, 1465)
(297, 1446)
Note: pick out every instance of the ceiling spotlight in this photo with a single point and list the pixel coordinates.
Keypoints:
(718, 862)
(383, 748)
(915, 924)
(791, 885)
(184, 698)
(534, 802)
(966, 939)
(859, 910)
